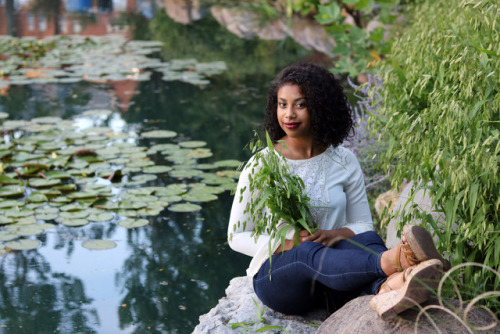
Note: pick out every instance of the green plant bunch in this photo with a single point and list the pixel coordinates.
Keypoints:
(441, 114)
(276, 196)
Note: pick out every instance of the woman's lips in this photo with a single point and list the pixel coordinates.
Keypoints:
(291, 125)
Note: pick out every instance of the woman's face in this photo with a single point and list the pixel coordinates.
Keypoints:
(292, 113)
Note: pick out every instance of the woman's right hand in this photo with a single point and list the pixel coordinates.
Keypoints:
(289, 243)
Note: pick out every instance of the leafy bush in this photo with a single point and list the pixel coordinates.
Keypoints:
(441, 115)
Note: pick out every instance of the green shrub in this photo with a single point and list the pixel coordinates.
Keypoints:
(441, 114)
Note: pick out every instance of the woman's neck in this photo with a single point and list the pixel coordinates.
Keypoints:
(298, 148)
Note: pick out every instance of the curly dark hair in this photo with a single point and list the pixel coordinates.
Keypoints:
(328, 107)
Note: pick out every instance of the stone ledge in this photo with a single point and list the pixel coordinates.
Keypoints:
(354, 317)
(239, 306)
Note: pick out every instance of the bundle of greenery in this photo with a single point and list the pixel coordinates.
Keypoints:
(278, 201)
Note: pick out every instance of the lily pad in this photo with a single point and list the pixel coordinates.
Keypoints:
(101, 217)
(99, 244)
(157, 169)
(10, 204)
(199, 197)
(228, 163)
(8, 235)
(199, 153)
(3, 115)
(43, 183)
(133, 223)
(192, 144)
(159, 134)
(74, 222)
(184, 207)
(229, 173)
(23, 244)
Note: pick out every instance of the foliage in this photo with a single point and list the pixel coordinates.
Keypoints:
(359, 28)
(441, 115)
(276, 196)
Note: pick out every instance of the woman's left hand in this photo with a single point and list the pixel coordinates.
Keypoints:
(329, 237)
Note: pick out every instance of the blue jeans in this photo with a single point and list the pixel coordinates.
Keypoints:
(313, 275)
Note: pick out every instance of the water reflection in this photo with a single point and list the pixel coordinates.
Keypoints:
(35, 299)
(161, 277)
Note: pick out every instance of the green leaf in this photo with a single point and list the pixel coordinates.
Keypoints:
(328, 13)
(473, 198)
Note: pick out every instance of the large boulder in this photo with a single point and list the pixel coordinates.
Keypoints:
(239, 306)
(424, 202)
(357, 317)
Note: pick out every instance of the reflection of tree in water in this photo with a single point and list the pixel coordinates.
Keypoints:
(177, 269)
(30, 101)
(35, 300)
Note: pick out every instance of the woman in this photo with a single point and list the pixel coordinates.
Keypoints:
(308, 117)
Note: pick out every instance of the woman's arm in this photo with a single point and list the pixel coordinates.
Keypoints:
(240, 226)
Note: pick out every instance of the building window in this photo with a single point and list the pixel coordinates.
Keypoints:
(31, 21)
(42, 23)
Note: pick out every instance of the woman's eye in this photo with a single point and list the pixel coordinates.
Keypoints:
(301, 105)
(282, 104)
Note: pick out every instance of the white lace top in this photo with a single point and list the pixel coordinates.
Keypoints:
(334, 182)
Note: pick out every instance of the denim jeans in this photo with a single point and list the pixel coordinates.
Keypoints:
(313, 275)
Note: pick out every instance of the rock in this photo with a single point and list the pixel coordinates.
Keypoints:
(184, 11)
(367, 321)
(424, 203)
(309, 33)
(246, 24)
(383, 200)
(239, 307)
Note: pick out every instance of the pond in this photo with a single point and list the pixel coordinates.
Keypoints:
(160, 277)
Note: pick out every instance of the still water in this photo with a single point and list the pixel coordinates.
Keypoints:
(160, 278)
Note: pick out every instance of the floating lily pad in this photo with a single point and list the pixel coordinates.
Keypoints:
(10, 204)
(26, 230)
(199, 153)
(133, 223)
(206, 166)
(99, 244)
(228, 163)
(6, 220)
(74, 222)
(11, 192)
(74, 214)
(46, 216)
(101, 217)
(8, 235)
(192, 143)
(229, 173)
(3, 115)
(37, 198)
(22, 244)
(184, 207)
(157, 169)
(8, 180)
(18, 213)
(199, 197)
(43, 183)
(159, 134)
(144, 178)
(49, 120)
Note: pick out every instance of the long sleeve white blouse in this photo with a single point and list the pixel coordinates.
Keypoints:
(334, 182)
